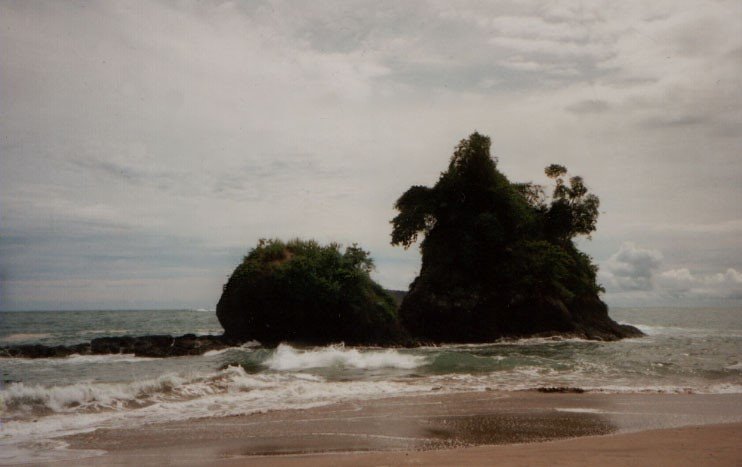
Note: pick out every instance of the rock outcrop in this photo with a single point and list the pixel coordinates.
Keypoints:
(499, 258)
(305, 293)
(141, 346)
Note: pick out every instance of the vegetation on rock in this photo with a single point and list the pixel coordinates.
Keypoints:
(304, 292)
(498, 258)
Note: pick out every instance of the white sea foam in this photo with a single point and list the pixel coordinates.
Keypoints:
(231, 391)
(655, 330)
(577, 410)
(209, 332)
(525, 341)
(105, 331)
(77, 359)
(673, 359)
(36, 412)
(725, 388)
(211, 353)
(21, 399)
(661, 330)
(531, 378)
(541, 340)
(287, 358)
(88, 397)
(24, 336)
(107, 358)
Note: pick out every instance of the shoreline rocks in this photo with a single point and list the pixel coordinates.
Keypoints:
(163, 346)
(141, 346)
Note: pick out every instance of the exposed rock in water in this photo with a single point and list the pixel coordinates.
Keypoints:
(499, 258)
(302, 292)
(141, 346)
(584, 317)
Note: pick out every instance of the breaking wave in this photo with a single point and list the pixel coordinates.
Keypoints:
(77, 359)
(231, 391)
(287, 358)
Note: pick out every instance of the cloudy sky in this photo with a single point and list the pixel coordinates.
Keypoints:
(146, 146)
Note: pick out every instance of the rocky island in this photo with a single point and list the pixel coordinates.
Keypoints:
(499, 260)
(302, 292)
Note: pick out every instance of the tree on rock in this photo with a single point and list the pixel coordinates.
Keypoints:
(304, 292)
(498, 258)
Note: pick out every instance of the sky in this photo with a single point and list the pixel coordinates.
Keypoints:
(146, 146)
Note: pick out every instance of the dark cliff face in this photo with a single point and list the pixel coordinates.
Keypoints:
(302, 292)
(480, 315)
(497, 259)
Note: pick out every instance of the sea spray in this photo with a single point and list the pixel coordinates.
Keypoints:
(287, 358)
(695, 350)
(231, 391)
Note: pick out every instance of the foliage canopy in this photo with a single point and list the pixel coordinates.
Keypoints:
(302, 291)
(498, 258)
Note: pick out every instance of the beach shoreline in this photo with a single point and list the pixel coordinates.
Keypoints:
(708, 445)
(519, 428)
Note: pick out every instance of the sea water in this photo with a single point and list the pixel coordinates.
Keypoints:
(687, 350)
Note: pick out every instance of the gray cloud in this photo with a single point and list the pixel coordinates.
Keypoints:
(635, 274)
(588, 106)
(631, 268)
(161, 140)
(684, 283)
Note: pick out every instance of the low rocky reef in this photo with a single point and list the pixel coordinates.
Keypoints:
(141, 346)
(589, 320)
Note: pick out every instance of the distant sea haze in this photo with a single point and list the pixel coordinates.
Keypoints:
(685, 351)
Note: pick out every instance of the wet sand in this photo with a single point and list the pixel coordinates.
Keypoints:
(711, 445)
(445, 429)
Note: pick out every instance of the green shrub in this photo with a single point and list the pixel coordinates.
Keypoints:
(301, 291)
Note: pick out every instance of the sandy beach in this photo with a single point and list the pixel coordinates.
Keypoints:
(714, 445)
(513, 428)
(362, 233)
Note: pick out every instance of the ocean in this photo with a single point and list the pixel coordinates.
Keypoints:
(686, 350)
